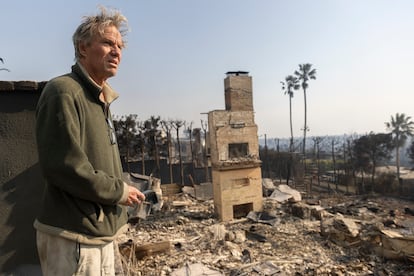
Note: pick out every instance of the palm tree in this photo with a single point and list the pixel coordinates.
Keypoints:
(3, 69)
(291, 83)
(204, 127)
(401, 127)
(177, 124)
(304, 74)
(167, 125)
(189, 131)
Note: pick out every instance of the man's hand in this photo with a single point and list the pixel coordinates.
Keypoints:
(134, 196)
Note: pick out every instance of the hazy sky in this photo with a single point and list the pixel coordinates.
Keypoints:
(179, 51)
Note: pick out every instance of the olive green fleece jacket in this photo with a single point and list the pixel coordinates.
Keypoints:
(81, 166)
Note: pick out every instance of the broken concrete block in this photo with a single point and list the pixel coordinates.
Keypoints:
(188, 190)
(240, 236)
(268, 186)
(279, 196)
(346, 225)
(204, 191)
(295, 195)
(396, 246)
(317, 212)
(341, 230)
(234, 249)
(237, 236)
(301, 210)
(218, 231)
(266, 268)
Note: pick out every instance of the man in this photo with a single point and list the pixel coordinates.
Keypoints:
(85, 198)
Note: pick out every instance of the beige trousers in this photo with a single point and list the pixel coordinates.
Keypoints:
(59, 256)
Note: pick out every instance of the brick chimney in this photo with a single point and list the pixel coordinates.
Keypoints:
(236, 167)
(238, 91)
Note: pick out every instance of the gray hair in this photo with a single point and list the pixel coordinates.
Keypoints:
(96, 24)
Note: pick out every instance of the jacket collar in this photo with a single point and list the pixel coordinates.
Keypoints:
(110, 95)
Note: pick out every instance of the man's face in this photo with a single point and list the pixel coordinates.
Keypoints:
(102, 55)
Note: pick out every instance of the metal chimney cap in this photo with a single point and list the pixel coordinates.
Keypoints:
(237, 73)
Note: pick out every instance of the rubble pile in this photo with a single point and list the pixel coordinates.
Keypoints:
(346, 235)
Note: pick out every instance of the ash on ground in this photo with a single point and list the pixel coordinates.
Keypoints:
(323, 234)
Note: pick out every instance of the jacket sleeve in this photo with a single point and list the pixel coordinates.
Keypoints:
(64, 163)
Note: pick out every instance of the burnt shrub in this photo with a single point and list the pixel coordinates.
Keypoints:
(386, 184)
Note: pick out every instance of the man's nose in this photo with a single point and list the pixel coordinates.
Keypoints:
(116, 51)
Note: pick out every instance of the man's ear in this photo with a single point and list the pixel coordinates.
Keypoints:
(82, 49)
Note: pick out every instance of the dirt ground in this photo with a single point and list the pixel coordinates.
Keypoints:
(187, 239)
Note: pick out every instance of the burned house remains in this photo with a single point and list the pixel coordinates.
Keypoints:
(236, 167)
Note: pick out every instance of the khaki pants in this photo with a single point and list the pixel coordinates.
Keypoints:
(59, 256)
